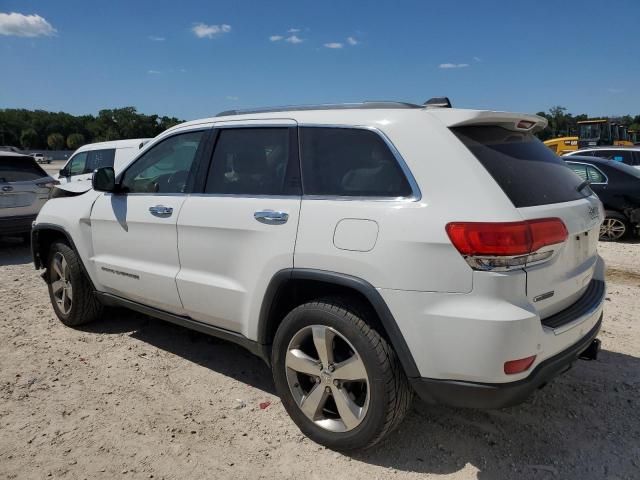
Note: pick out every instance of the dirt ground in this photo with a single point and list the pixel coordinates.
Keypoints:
(134, 397)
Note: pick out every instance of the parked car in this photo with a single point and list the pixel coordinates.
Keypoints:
(618, 187)
(335, 243)
(628, 155)
(24, 188)
(86, 159)
(40, 158)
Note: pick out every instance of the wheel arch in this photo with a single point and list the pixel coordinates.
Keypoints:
(291, 287)
(43, 235)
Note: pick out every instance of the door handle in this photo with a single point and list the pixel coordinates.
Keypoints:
(161, 211)
(271, 217)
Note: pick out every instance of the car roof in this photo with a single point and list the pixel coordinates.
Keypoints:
(129, 143)
(6, 153)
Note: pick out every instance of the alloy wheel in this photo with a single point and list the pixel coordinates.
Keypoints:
(327, 378)
(612, 229)
(61, 283)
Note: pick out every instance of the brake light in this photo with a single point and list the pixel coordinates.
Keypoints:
(514, 243)
(518, 366)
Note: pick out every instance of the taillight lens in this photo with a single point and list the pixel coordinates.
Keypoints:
(513, 243)
(518, 366)
(509, 238)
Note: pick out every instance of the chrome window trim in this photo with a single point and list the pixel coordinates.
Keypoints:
(606, 182)
(416, 194)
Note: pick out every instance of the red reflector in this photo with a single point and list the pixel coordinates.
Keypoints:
(518, 366)
(510, 238)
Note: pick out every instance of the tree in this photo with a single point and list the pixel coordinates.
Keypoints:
(75, 140)
(55, 141)
(28, 138)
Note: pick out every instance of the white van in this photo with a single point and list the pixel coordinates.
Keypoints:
(86, 159)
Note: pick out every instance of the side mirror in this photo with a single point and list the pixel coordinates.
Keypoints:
(63, 172)
(104, 180)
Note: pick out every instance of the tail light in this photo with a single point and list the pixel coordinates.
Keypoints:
(518, 366)
(489, 246)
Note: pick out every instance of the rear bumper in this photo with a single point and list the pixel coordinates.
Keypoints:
(16, 225)
(497, 395)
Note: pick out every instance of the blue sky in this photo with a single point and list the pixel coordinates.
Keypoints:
(192, 59)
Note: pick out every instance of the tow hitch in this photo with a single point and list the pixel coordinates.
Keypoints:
(591, 353)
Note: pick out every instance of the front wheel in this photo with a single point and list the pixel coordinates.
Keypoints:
(70, 292)
(339, 380)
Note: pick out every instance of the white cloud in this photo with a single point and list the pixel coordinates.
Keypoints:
(453, 65)
(615, 90)
(21, 25)
(202, 30)
(293, 30)
(477, 59)
(275, 38)
(333, 45)
(352, 41)
(154, 38)
(294, 39)
(232, 97)
(153, 72)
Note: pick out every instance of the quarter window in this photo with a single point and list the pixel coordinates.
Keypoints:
(166, 167)
(579, 169)
(349, 162)
(99, 158)
(250, 161)
(595, 175)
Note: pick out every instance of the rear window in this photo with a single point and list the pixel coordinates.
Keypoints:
(528, 172)
(19, 169)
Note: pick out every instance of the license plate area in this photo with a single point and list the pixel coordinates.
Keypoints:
(14, 200)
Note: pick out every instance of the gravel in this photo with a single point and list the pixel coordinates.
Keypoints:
(135, 397)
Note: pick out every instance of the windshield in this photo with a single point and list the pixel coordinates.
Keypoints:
(590, 131)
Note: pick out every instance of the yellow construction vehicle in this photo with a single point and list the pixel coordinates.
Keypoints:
(634, 136)
(562, 145)
(601, 131)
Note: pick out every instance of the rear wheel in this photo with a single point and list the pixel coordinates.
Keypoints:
(339, 380)
(70, 291)
(615, 227)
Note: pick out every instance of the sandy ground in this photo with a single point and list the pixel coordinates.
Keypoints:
(133, 397)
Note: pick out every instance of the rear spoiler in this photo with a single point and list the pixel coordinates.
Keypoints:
(518, 122)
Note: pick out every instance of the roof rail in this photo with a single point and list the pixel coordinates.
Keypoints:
(328, 106)
(438, 102)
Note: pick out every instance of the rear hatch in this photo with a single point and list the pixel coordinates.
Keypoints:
(540, 185)
(22, 185)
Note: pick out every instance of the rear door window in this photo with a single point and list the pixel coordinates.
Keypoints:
(580, 169)
(595, 175)
(348, 162)
(528, 172)
(19, 169)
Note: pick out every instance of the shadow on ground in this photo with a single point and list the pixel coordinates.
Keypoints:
(13, 251)
(585, 424)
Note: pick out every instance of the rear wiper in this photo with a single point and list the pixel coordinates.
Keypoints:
(583, 185)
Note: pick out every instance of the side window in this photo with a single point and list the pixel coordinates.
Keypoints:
(595, 175)
(77, 164)
(99, 158)
(165, 168)
(579, 169)
(608, 154)
(250, 161)
(349, 162)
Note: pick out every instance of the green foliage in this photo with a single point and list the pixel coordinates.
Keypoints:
(55, 141)
(75, 140)
(28, 138)
(32, 128)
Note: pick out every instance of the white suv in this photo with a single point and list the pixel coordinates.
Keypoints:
(364, 251)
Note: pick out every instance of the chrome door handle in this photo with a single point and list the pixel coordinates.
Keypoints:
(270, 217)
(161, 211)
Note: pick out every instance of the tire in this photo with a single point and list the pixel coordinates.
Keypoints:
(81, 306)
(615, 227)
(380, 401)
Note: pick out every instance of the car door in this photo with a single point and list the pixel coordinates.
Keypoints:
(134, 232)
(236, 234)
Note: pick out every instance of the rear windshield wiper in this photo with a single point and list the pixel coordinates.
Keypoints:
(583, 185)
